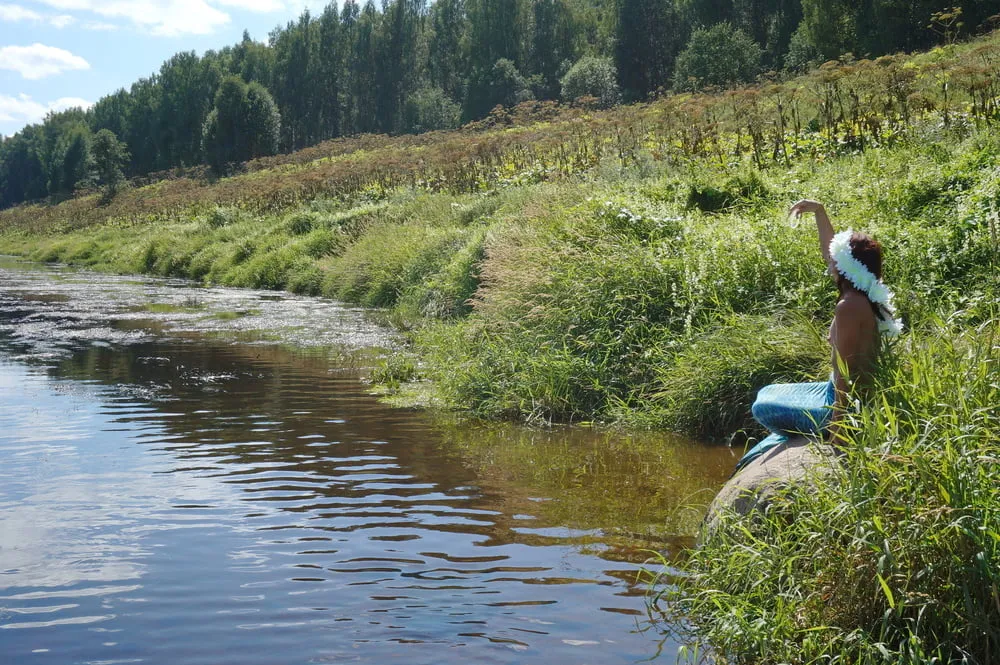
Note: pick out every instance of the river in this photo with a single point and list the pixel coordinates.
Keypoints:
(199, 475)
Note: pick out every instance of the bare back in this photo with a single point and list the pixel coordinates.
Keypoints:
(854, 339)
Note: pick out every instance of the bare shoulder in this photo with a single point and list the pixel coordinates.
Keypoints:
(856, 308)
(854, 304)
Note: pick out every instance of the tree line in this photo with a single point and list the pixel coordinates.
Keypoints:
(413, 66)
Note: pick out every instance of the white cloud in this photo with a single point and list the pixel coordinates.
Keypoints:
(164, 17)
(18, 13)
(62, 20)
(20, 108)
(14, 13)
(25, 110)
(38, 60)
(99, 26)
(64, 103)
(259, 6)
(159, 17)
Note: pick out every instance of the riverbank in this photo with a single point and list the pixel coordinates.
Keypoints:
(892, 558)
(623, 296)
(651, 280)
(631, 266)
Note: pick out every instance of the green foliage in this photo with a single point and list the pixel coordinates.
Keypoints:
(302, 223)
(498, 85)
(802, 55)
(22, 169)
(592, 77)
(709, 386)
(554, 42)
(647, 41)
(830, 26)
(244, 124)
(739, 190)
(383, 263)
(719, 56)
(110, 155)
(263, 122)
(220, 216)
(70, 163)
(894, 556)
(431, 109)
(447, 293)
(394, 371)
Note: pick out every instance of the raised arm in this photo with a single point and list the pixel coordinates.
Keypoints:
(823, 225)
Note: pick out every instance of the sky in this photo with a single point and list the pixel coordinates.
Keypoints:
(56, 54)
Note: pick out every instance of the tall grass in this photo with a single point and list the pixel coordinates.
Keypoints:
(895, 556)
(627, 302)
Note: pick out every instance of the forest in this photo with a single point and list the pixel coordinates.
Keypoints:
(411, 66)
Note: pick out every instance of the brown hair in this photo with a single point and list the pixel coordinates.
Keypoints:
(868, 252)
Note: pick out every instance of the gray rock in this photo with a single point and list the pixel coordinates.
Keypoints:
(797, 461)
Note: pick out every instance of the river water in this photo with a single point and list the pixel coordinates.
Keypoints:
(198, 475)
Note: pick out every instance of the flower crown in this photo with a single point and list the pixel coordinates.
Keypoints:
(863, 279)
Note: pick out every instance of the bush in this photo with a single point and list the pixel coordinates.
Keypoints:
(500, 85)
(592, 77)
(377, 269)
(302, 223)
(430, 109)
(735, 191)
(895, 557)
(243, 124)
(718, 56)
(710, 385)
(110, 155)
(220, 216)
(802, 55)
(446, 294)
(397, 369)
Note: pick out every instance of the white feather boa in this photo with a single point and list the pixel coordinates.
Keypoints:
(864, 280)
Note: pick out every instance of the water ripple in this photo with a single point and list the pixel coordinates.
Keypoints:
(170, 496)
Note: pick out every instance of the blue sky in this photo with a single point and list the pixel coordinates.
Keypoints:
(60, 53)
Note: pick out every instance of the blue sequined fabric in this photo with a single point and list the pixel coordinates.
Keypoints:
(787, 409)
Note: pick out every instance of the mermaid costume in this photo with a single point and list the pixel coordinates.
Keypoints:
(790, 409)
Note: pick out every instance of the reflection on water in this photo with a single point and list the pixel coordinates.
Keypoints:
(172, 496)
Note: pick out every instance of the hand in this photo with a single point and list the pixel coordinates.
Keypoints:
(804, 206)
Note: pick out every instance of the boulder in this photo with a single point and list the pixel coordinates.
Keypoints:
(796, 461)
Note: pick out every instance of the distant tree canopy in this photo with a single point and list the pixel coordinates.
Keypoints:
(413, 65)
(592, 77)
(718, 56)
(243, 124)
(110, 156)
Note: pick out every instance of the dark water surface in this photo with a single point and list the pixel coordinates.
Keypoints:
(191, 475)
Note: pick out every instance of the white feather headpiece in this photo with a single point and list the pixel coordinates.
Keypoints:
(864, 280)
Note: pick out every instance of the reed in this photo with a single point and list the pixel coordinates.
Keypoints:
(895, 556)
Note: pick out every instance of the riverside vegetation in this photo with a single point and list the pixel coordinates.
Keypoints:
(634, 266)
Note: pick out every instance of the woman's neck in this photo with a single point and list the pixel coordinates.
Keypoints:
(847, 288)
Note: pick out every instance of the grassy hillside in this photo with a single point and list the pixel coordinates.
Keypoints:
(635, 266)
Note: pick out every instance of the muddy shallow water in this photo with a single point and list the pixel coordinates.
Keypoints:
(192, 475)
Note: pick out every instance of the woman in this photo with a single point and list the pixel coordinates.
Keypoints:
(864, 311)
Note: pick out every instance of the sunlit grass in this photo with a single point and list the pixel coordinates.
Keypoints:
(895, 557)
